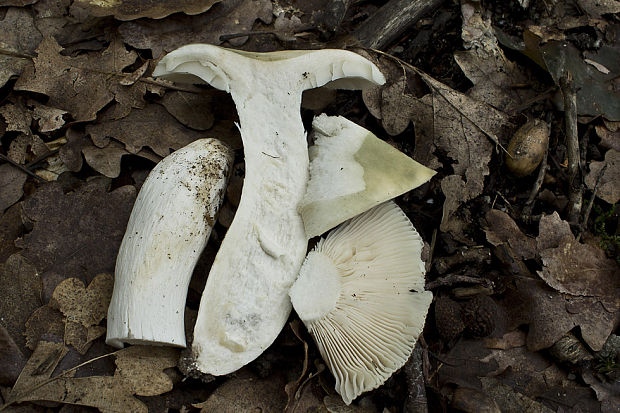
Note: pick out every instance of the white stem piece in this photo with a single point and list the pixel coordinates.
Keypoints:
(360, 293)
(245, 303)
(168, 228)
(351, 171)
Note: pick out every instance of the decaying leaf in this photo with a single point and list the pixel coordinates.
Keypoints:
(20, 295)
(76, 234)
(135, 9)
(11, 358)
(139, 371)
(20, 38)
(246, 394)
(226, 17)
(11, 185)
(25, 148)
(45, 320)
(609, 133)
(501, 229)
(152, 126)
(83, 308)
(191, 109)
(84, 84)
(608, 188)
(49, 118)
(575, 268)
(551, 314)
(16, 117)
(509, 400)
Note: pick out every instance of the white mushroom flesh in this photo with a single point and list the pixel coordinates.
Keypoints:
(360, 292)
(245, 303)
(169, 226)
(351, 171)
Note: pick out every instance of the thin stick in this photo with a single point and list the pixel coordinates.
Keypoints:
(529, 204)
(586, 216)
(575, 190)
(21, 168)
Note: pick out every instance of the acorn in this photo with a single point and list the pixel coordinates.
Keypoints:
(527, 147)
(448, 318)
(479, 316)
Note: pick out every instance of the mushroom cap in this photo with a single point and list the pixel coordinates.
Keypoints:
(351, 171)
(360, 293)
(219, 67)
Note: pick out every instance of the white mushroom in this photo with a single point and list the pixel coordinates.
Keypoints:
(168, 228)
(245, 302)
(351, 171)
(360, 293)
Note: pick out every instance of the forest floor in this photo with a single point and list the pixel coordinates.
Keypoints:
(515, 104)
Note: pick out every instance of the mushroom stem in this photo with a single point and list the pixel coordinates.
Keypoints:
(169, 226)
(245, 302)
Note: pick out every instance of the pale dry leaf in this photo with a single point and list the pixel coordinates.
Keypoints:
(20, 295)
(397, 107)
(494, 79)
(226, 17)
(501, 229)
(135, 9)
(139, 371)
(11, 185)
(599, 7)
(608, 186)
(84, 84)
(17, 118)
(25, 148)
(20, 38)
(87, 306)
(152, 126)
(49, 118)
(107, 160)
(509, 340)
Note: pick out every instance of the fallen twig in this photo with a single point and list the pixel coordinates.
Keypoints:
(575, 190)
(21, 168)
(529, 204)
(586, 215)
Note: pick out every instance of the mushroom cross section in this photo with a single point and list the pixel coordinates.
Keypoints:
(245, 303)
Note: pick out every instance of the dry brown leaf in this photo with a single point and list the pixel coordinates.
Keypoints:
(509, 340)
(191, 109)
(17, 118)
(44, 321)
(551, 314)
(11, 185)
(25, 148)
(574, 268)
(226, 17)
(11, 358)
(135, 9)
(152, 126)
(608, 186)
(20, 295)
(599, 7)
(49, 118)
(10, 229)
(19, 3)
(20, 38)
(494, 79)
(139, 371)
(501, 229)
(76, 234)
(84, 84)
(609, 133)
(247, 395)
(509, 400)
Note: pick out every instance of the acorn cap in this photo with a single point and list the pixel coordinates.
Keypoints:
(360, 293)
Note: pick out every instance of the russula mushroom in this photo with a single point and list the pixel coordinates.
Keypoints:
(361, 169)
(167, 230)
(360, 292)
(245, 303)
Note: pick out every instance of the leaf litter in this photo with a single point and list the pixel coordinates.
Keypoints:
(85, 92)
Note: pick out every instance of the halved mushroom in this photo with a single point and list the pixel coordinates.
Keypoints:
(360, 292)
(245, 303)
(351, 171)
